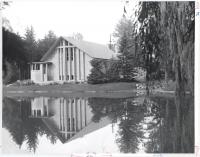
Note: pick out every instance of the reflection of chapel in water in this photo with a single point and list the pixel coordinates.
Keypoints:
(63, 117)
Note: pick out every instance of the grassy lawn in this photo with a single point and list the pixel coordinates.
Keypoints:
(75, 90)
(75, 87)
(120, 89)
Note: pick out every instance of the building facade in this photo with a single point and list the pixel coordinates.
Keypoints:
(65, 117)
(68, 60)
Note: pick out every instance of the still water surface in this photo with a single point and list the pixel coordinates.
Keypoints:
(49, 125)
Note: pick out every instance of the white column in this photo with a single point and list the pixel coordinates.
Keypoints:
(47, 71)
(81, 114)
(84, 66)
(69, 51)
(79, 55)
(60, 113)
(75, 72)
(64, 64)
(81, 65)
(77, 64)
(85, 105)
(70, 115)
(76, 115)
(58, 63)
(67, 102)
(63, 109)
(59, 124)
(41, 71)
(61, 61)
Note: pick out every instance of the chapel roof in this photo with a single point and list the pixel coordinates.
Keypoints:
(94, 50)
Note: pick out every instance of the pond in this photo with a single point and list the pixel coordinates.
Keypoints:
(59, 125)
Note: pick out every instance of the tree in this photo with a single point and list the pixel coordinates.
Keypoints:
(97, 74)
(44, 44)
(14, 57)
(30, 44)
(149, 34)
(104, 71)
(125, 34)
(178, 20)
(10, 72)
(130, 131)
(172, 23)
(126, 58)
(171, 130)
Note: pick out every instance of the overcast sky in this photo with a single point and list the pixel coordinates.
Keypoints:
(94, 19)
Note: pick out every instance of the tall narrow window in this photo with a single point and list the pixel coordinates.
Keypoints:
(72, 54)
(37, 66)
(66, 50)
(66, 43)
(38, 112)
(35, 114)
(68, 128)
(44, 68)
(61, 43)
(73, 124)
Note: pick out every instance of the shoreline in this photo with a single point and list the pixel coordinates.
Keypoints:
(115, 90)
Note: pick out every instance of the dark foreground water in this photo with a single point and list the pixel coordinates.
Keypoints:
(47, 125)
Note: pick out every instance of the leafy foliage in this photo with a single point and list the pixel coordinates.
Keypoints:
(121, 69)
(30, 44)
(44, 44)
(14, 57)
(167, 38)
(103, 71)
(18, 52)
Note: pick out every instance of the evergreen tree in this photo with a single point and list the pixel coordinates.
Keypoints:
(97, 75)
(45, 44)
(30, 44)
(14, 57)
(126, 59)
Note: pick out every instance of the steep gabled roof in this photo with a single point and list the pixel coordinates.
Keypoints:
(92, 49)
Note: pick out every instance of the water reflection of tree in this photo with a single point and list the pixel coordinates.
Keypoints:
(102, 107)
(130, 129)
(22, 128)
(172, 129)
(129, 115)
(170, 125)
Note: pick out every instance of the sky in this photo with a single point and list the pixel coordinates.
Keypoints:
(94, 19)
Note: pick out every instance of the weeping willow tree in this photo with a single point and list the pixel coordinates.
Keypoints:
(167, 40)
(178, 22)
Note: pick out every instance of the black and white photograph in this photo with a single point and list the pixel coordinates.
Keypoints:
(88, 78)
